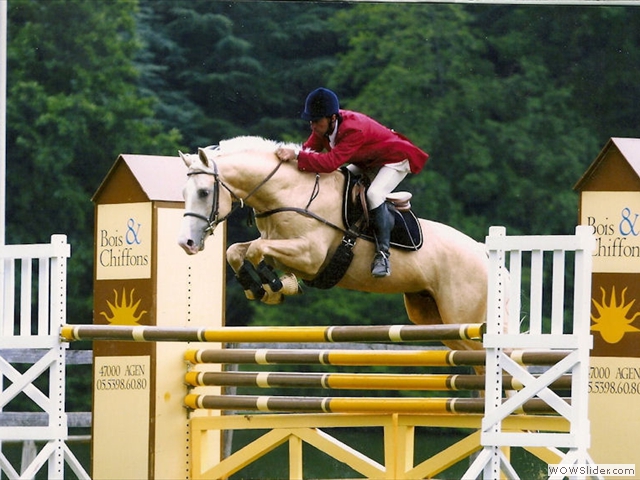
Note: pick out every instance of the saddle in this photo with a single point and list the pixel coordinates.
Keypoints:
(406, 233)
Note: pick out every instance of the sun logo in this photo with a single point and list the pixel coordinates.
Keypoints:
(123, 313)
(613, 322)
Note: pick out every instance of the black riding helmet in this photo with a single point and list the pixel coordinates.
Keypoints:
(320, 103)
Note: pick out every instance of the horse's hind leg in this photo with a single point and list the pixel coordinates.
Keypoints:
(422, 310)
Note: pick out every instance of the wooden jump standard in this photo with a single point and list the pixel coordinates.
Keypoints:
(392, 333)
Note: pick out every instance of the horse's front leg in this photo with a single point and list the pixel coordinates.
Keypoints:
(246, 273)
(259, 280)
(236, 254)
(292, 255)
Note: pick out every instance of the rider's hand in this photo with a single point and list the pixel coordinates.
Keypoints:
(286, 154)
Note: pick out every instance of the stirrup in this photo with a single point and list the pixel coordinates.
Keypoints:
(380, 266)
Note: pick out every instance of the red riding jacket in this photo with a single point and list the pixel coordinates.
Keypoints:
(362, 141)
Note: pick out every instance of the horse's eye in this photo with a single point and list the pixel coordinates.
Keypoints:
(203, 193)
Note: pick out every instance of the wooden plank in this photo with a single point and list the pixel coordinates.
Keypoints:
(43, 296)
(245, 456)
(32, 355)
(341, 452)
(26, 280)
(41, 419)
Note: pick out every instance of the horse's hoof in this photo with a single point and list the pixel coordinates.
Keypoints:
(290, 284)
(249, 294)
(272, 298)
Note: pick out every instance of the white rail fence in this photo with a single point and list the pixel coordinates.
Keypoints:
(33, 289)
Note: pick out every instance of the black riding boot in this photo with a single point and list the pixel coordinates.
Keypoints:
(382, 224)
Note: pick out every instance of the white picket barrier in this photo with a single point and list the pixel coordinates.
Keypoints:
(35, 275)
(505, 306)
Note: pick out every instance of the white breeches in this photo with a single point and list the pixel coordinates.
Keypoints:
(383, 182)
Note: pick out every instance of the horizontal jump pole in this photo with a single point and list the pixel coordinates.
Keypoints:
(390, 358)
(389, 333)
(348, 381)
(352, 404)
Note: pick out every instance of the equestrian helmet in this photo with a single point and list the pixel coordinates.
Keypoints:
(320, 103)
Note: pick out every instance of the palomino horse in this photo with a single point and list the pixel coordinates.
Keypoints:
(298, 214)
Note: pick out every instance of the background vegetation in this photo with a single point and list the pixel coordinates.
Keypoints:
(512, 103)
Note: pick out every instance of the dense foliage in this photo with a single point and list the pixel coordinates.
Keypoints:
(512, 103)
(73, 105)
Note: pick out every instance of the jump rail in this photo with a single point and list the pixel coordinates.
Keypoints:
(399, 358)
(392, 333)
(359, 381)
(380, 405)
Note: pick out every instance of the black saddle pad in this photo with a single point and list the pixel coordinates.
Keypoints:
(406, 233)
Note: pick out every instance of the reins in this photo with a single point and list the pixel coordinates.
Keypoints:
(301, 211)
(304, 211)
(213, 220)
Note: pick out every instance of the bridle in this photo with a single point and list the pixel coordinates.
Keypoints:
(214, 219)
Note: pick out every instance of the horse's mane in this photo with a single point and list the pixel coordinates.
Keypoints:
(245, 143)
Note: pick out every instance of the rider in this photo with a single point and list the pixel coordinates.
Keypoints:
(345, 136)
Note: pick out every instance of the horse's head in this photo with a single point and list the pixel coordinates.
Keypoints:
(206, 203)
(239, 172)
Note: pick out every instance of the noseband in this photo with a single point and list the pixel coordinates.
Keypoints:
(213, 220)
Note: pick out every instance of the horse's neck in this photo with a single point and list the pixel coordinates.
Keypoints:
(288, 187)
(251, 177)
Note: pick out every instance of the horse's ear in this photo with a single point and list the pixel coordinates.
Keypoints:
(203, 157)
(185, 159)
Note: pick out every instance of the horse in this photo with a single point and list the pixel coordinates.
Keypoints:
(298, 215)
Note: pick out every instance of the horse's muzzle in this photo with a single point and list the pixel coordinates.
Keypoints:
(190, 246)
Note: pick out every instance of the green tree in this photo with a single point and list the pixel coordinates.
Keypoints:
(73, 107)
(224, 69)
(592, 50)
